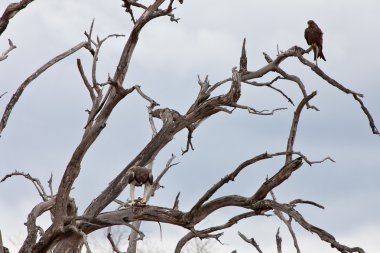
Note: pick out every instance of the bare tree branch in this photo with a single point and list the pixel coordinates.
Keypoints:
(323, 235)
(4, 55)
(110, 239)
(293, 129)
(36, 182)
(263, 112)
(250, 241)
(288, 223)
(176, 201)
(206, 233)
(278, 241)
(277, 179)
(357, 96)
(243, 59)
(269, 84)
(69, 231)
(37, 211)
(223, 181)
(11, 10)
(368, 114)
(320, 73)
(3, 94)
(85, 80)
(2, 248)
(300, 201)
(166, 215)
(143, 95)
(33, 76)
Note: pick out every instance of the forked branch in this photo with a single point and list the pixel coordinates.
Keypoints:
(4, 55)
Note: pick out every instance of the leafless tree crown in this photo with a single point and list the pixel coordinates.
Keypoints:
(69, 229)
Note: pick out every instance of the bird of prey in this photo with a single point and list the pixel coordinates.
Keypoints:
(139, 176)
(314, 38)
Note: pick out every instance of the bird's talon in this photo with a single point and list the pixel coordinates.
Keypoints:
(141, 204)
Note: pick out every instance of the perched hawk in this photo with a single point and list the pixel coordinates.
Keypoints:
(314, 38)
(139, 176)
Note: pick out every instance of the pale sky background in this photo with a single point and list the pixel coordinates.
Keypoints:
(47, 123)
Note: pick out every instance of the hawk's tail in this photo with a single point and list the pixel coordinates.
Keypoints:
(320, 55)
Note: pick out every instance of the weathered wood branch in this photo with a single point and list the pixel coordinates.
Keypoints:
(288, 223)
(251, 241)
(68, 232)
(173, 123)
(323, 235)
(357, 96)
(293, 129)
(278, 241)
(4, 55)
(16, 96)
(36, 182)
(37, 211)
(175, 217)
(270, 85)
(11, 10)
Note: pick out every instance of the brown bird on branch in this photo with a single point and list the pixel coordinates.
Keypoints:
(314, 38)
(139, 176)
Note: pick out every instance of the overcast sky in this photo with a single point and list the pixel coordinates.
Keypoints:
(47, 123)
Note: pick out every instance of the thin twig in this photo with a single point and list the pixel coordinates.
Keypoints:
(36, 182)
(113, 244)
(262, 112)
(250, 241)
(278, 241)
(176, 201)
(207, 233)
(143, 95)
(367, 113)
(4, 55)
(323, 235)
(288, 223)
(50, 184)
(300, 201)
(85, 80)
(269, 84)
(156, 182)
(3, 94)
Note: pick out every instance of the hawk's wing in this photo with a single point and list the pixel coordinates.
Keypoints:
(307, 36)
(131, 177)
(314, 35)
(150, 178)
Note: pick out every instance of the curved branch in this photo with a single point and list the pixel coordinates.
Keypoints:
(206, 233)
(293, 129)
(325, 236)
(33, 76)
(4, 55)
(223, 181)
(269, 84)
(36, 182)
(357, 96)
(250, 241)
(322, 74)
(368, 114)
(288, 223)
(37, 211)
(11, 10)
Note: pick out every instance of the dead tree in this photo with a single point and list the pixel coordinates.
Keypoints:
(69, 229)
